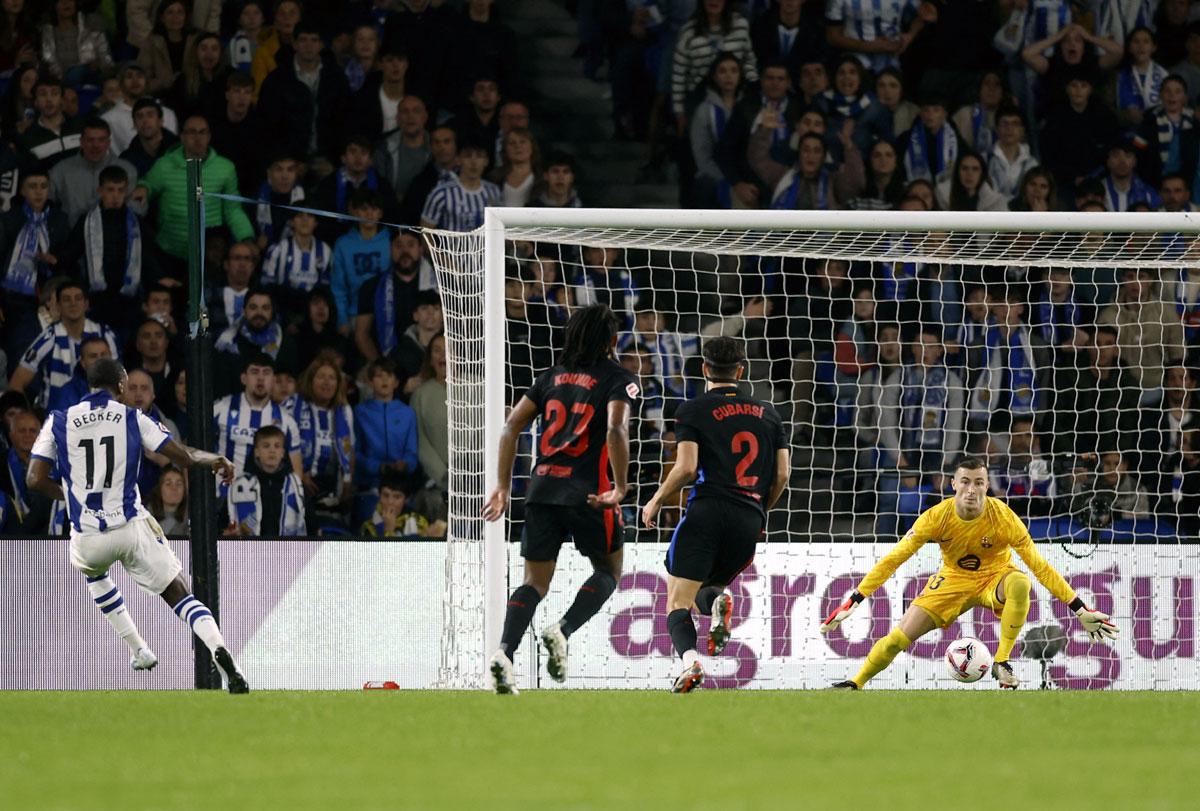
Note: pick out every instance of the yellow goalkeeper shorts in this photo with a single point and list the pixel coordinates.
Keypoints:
(950, 593)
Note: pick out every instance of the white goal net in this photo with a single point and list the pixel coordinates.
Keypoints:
(1060, 348)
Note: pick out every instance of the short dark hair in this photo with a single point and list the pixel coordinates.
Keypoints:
(258, 359)
(105, 373)
(723, 356)
(305, 26)
(113, 174)
(393, 482)
(364, 197)
(47, 80)
(560, 158)
(69, 284)
(1175, 176)
(471, 146)
(239, 79)
(96, 123)
(145, 102)
(427, 298)
(359, 140)
(970, 463)
(382, 365)
(270, 432)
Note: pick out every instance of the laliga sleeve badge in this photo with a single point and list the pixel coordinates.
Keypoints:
(632, 390)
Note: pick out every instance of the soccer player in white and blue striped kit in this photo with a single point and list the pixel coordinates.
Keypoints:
(98, 445)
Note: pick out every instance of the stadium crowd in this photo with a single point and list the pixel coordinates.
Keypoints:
(331, 364)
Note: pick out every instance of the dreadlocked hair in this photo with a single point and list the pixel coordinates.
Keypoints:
(589, 336)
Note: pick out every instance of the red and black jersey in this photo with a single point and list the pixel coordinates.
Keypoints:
(738, 437)
(571, 459)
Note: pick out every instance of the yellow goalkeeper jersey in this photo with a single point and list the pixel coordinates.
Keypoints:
(981, 547)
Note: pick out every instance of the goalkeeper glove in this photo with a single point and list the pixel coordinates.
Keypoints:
(1098, 624)
(842, 612)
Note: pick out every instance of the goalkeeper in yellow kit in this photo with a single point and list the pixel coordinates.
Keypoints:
(976, 534)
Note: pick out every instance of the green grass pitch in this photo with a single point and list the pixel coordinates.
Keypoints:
(585, 749)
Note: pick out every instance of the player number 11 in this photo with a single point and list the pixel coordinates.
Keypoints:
(89, 454)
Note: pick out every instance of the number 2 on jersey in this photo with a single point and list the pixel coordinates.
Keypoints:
(89, 454)
(555, 420)
(747, 442)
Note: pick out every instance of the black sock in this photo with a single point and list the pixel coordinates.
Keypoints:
(683, 630)
(521, 605)
(706, 597)
(592, 595)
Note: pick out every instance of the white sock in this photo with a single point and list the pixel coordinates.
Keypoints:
(200, 620)
(112, 605)
(690, 657)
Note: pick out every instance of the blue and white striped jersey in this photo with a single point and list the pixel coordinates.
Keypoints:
(289, 265)
(54, 353)
(869, 20)
(450, 207)
(98, 445)
(236, 421)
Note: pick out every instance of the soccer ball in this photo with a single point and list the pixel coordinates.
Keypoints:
(968, 660)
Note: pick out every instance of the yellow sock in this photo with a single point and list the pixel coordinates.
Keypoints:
(1012, 618)
(881, 655)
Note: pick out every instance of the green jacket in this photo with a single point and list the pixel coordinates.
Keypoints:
(167, 182)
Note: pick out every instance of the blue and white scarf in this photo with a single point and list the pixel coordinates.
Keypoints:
(847, 106)
(344, 186)
(1139, 192)
(268, 340)
(945, 301)
(896, 283)
(32, 239)
(1189, 312)
(262, 212)
(291, 266)
(93, 232)
(1008, 380)
(620, 299)
(16, 476)
(245, 506)
(1169, 136)
(387, 334)
(1138, 89)
(326, 439)
(1057, 321)
(793, 182)
(923, 398)
(717, 121)
(916, 153)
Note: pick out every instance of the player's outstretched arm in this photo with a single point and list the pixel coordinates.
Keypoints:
(1098, 624)
(618, 456)
(518, 420)
(687, 461)
(186, 456)
(38, 478)
(783, 474)
(887, 565)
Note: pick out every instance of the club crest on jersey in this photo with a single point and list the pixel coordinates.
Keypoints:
(633, 391)
(986, 542)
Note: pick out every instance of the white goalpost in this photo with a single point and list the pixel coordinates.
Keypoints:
(1057, 346)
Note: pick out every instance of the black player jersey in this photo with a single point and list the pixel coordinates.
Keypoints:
(572, 440)
(738, 438)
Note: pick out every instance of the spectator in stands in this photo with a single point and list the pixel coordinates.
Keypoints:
(392, 519)
(200, 85)
(1008, 382)
(424, 31)
(976, 123)
(867, 411)
(1189, 66)
(152, 139)
(297, 263)
(1165, 426)
(378, 327)
(1187, 506)
(315, 330)
(307, 96)
(889, 90)
(139, 394)
(1010, 157)
(1176, 192)
(168, 503)
(359, 256)
(74, 180)
(1149, 333)
(1022, 476)
(33, 234)
(1169, 136)
(166, 185)
(519, 168)
(429, 404)
(1070, 55)
(513, 115)
(401, 155)
(91, 349)
(483, 46)
(1076, 134)
(17, 103)
(53, 135)
(442, 166)
(271, 39)
(267, 499)
(158, 306)
(357, 172)
(120, 117)
(849, 100)
(412, 345)
(876, 34)
(18, 35)
(365, 59)
(385, 435)
(162, 53)
(237, 131)
(775, 103)
(457, 204)
(1055, 314)
(106, 248)
(205, 15)
(255, 331)
(225, 302)
(809, 184)
(31, 510)
(326, 424)
(883, 186)
(152, 355)
(789, 33)
(1094, 398)
(1139, 81)
(376, 106)
(281, 188)
(244, 42)
(478, 122)
(714, 28)
(558, 183)
(709, 126)
(71, 49)
(968, 189)
(236, 415)
(931, 147)
(53, 355)
(1130, 500)
(1037, 192)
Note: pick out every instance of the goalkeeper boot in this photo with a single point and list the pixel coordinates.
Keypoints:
(689, 679)
(234, 679)
(1003, 673)
(144, 659)
(844, 685)
(722, 614)
(503, 683)
(555, 643)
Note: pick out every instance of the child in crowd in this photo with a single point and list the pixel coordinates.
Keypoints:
(268, 498)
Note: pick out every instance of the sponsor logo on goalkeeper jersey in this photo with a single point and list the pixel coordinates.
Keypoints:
(736, 410)
(969, 562)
